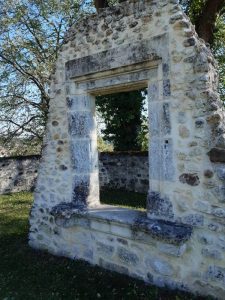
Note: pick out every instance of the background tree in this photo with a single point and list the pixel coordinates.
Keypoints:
(31, 32)
(208, 16)
(122, 114)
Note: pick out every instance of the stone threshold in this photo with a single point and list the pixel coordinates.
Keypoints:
(127, 223)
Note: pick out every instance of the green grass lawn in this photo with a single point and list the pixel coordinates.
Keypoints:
(28, 274)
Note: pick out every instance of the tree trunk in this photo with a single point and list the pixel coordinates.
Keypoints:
(100, 4)
(205, 23)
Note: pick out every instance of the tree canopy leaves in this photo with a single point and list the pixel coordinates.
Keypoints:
(31, 32)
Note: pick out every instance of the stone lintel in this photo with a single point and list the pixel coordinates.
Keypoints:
(114, 58)
(132, 224)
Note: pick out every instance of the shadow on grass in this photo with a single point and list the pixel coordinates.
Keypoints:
(123, 198)
(29, 274)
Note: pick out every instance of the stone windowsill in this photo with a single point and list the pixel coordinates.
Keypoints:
(127, 223)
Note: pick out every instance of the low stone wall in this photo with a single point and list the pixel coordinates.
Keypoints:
(117, 170)
(18, 173)
(124, 170)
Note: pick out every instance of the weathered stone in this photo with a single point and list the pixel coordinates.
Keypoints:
(211, 253)
(208, 173)
(122, 241)
(220, 143)
(219, 193)
(176, 17)
(160, 266)
(81, 189)
(165, 119)
(171, 232)
(217, 155)
(159, 207)
(189, 42)
(127, 257)
(199, 123)
(184, 132)
(194, 220)
(81, 156)
(205, 239)
(190, 179)
(161, 150)
(182, 118)
(110, 59)
(80, 124)
(215, 273)
(153, 91)
(166, 87)
(55, 123)
(159, 115)
(221, 172)
(105, 250)
(173, 250)
(218, 212)
(213, 227)
(166, 70)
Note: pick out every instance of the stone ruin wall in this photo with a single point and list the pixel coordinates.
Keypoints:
(187, 191)
(126, 171)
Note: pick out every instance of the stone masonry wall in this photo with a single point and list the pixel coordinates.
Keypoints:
(127, 171)
(148, 43)
(18, 173)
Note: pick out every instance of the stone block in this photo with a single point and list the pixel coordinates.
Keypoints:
(153, 92)
(159, 207)
(190, 179)
(81, 189)
(109, 59)
(219, 193)
(220, 171)
(159, 119)
(194, 219)
(165, 119)
(80, 103)
(211, 253)
(160, 266)
(218, 212)
(81, 124)
(172, 250)
(104, 249)
(217, 155)
(161, 159)
(166, 88)
(127, 257)
(81, 156)
(215, 273)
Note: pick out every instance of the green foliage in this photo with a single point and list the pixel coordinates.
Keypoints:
(31, 32)
(103, 146)
(143, 137)
(219, 52)
(122, 113)
(21, 146)
(194, 9)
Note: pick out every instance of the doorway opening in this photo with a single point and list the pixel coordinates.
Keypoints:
(123, 137)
